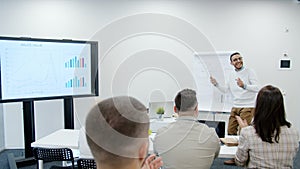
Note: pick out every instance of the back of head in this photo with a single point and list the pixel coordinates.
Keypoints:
(186, 100)
(269, 114)
(116, 128)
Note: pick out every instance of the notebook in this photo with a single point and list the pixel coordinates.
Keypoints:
(168, 107)
(218, 125)
(230, 141)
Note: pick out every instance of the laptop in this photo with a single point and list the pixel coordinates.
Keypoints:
(168, 107)
(218, 125)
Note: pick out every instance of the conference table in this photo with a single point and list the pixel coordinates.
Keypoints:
(68, 138)
(63, 138)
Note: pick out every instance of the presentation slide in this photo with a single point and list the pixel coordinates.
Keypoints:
(34, 69)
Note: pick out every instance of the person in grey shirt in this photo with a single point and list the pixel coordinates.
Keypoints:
(186, 143)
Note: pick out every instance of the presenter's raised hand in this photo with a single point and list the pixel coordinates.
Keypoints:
(213, 81)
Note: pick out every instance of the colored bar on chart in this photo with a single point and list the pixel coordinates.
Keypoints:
(75, 62)
(75, 82)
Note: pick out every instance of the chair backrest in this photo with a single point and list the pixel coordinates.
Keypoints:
(85, 163)
(53, 154)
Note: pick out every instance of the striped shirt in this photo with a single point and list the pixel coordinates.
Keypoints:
(254, 153)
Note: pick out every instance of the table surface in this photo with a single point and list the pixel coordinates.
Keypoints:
(63, 138)
(69, 138)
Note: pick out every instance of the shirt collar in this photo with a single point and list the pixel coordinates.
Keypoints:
(238, 70)
(191, 118)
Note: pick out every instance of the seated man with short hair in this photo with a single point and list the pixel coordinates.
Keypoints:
(117, 134)
(187, 143)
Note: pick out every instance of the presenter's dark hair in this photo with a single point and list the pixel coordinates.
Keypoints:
(186, 100)
(235, 53)
(269, 114)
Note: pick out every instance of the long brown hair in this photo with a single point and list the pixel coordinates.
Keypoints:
(269, 114)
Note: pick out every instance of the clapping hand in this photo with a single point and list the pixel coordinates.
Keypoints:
(242, 123)
(152, 162)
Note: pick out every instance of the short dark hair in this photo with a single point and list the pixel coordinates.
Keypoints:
(235, 53)
(116, 128)
(186, 100)
(269, 114)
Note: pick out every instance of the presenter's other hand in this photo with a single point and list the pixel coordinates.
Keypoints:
(213, 81)
(242, 123)
(152, 162)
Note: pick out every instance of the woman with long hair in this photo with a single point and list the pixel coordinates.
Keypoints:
(270, 141)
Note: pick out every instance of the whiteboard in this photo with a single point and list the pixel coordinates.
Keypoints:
(217, 65)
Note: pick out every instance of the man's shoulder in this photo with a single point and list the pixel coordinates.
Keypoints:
(164, 128)
(203, 130)
(203, 125)
(247, 69)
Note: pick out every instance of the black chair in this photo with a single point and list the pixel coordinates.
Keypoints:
(85, 163)
(54, 154)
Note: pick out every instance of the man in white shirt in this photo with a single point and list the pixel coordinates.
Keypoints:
(243, 85)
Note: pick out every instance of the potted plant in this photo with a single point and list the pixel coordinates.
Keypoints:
(160, 111)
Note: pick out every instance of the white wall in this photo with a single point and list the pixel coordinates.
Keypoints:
(146, 47)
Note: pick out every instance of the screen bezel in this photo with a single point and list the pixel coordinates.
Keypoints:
(94, 69)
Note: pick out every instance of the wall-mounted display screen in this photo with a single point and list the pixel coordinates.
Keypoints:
(46, 68)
